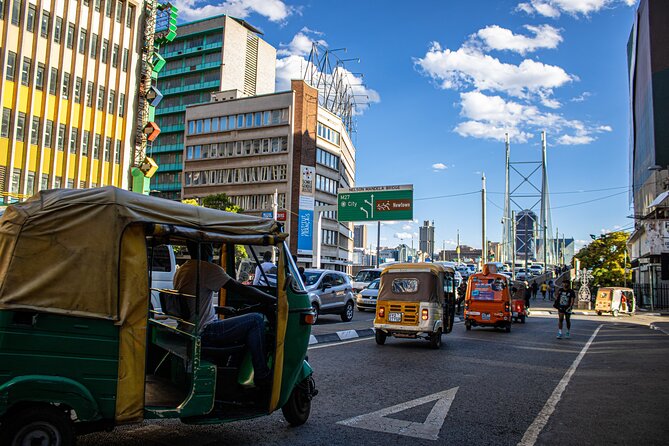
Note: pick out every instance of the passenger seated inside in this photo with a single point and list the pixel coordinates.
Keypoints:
(246, 329)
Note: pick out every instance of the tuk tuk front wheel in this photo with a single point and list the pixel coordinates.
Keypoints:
(380, 337)
(615, 313)
(435, 339)
(38, 425)
(298, 407)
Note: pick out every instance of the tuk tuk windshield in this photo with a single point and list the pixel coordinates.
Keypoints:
(405, 286)
(415, 287)
(487, 289)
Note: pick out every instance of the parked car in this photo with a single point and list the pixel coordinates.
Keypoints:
(330, 293)
(364, 278)
(521, 274)
(536, 270)
(366, 299)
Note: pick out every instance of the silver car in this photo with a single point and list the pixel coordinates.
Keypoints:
(330, 293)
(366, 299)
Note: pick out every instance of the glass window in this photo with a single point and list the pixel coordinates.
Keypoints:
(6, 122)
(65, 93)
(266, 117)
(96, 5)
(53, 81)
(34, 131)
(74, 135)
(240, 121)
(121, 105)
(89, 94)
(130, 16)
(207, 125)
(39, 76)
(117, 153)
(84, 142)
(21, 127)
(96, 146)
(16, 181)
(45, 23)
(17, 7)
(101, 98)
(11, 66)
(104, 53)
(249, 119)
(30, 21)
(124, 63)
(77, 90)
(115, 56)
(111, 104)
(119, 11)
(25, 71)
(108, 9)
(58, 30)
(223, 120)
(44, 183)
(69, 40)
(198, 126)
(48, 133)
(61, 138)
(82, 41)
(257, 119)
(94, 46)
(214, 124)
(107, 152)
(191, 127)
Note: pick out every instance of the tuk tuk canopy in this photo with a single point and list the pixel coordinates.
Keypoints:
(412, 282)
(61, 249)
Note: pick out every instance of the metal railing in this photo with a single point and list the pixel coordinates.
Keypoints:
(655, 297)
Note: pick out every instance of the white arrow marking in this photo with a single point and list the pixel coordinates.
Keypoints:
(428, 430)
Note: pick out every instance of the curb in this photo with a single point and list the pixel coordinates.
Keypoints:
(346, 335)
(653, 326)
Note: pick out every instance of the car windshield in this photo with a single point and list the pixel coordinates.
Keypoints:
(367, 276)
(311, 278)
(374, 285)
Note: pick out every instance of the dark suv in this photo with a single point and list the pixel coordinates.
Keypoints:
(330, 293)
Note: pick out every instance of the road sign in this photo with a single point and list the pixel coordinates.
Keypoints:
(381, 203)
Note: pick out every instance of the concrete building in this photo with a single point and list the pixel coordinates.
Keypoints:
(69, 84)
(426, 238)
(526, 222)
(250, 147)
(648, 62)
(216, 54)
(360, 236)
(467, 254)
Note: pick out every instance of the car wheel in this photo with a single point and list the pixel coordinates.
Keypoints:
(41, 424)
(380, 337)
(347, 315)
(435, 339)
(317, 311)
(298, 407)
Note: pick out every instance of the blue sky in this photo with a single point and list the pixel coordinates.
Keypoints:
(446, 79)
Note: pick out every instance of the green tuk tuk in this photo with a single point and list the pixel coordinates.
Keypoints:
(81, 347)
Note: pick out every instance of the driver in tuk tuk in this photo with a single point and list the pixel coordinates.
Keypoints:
(247, 328)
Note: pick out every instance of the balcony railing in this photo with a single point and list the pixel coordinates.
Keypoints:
(166, 148)
(190, 69)
(172, 167)
(199, 86)
(163, 187)
(196, 49)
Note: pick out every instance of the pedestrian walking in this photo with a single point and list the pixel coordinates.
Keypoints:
(564, 303)
(551, 290)
(527, 293)
(535, 288)
(544, 288)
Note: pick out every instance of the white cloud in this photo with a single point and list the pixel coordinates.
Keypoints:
(582, 97)
(439, 166)
(273, 10)
(554, 8)
(407, 227)
(569, 140)
(468, 66)
(497, 38)
(294, 65)
(403, 235)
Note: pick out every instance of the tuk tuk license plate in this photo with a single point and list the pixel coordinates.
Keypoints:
(485, 316)
(394, 317)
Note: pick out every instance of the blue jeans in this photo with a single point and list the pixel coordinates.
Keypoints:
(248, 329)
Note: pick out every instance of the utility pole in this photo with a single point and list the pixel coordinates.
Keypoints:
(378, 241)
(458, 247)
(544, 197)
(484, 244)
(513, 245)
(506, 243)
(275, 215)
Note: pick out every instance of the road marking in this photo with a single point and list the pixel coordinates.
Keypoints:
(347, 334)
(652, 326)
(378, 421)
(335, 344)
(540, 421)
(312, 340)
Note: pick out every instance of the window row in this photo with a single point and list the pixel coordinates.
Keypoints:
(328, 134)
(332, 215)
(113, 9)
(193, 42)
(327, 159)
(240, 121)
(184, 99)
(169, 158)
(242, 175)
(167, 139)
(257, 202)
(238, 148)
(44, 183)
(189, 80)
(329, 237)
(325, 184)
(192, 62)
(59, 136)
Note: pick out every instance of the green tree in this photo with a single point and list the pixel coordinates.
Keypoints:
(606, 257)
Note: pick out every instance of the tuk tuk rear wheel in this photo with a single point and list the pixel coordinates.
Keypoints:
(435, 339)
(298, 407)
(380, 337)
(615, 313)
(522, 318)
(40, 424)
(508, 327)
(599, 313)
(468, 325)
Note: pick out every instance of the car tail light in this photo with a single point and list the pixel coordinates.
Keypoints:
(424, 314)
(308, 318)
(382, 312)
(506, 307)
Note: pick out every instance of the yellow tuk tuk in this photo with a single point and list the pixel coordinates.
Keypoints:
(416, 300)
(615, 300)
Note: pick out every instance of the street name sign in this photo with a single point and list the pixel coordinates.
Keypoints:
(380, 203)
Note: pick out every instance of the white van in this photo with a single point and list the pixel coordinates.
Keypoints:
(163, 267)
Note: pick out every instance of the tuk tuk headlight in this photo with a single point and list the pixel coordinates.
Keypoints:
(424, 314)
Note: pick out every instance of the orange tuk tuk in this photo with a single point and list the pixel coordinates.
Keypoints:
(488, 300)
(518, 309)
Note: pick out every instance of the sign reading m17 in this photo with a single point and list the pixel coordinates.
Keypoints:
(380, 203)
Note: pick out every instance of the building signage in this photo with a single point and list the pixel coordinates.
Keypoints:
(380, 203)
(280, 215)
(305, 225)
(267, 214)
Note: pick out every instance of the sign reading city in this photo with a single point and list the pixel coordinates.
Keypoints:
(379, 203)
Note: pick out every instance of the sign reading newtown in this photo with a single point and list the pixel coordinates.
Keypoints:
(379, 203)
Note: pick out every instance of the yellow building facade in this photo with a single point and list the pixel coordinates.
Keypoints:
(68, 93)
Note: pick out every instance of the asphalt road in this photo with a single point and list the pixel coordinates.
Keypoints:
(482, 387)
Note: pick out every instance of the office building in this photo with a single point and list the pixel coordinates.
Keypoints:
(69, 82)
(360, 236)
(285, 143)
(216, 54)
(648, 63)
(526, 222)
(426, 238)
